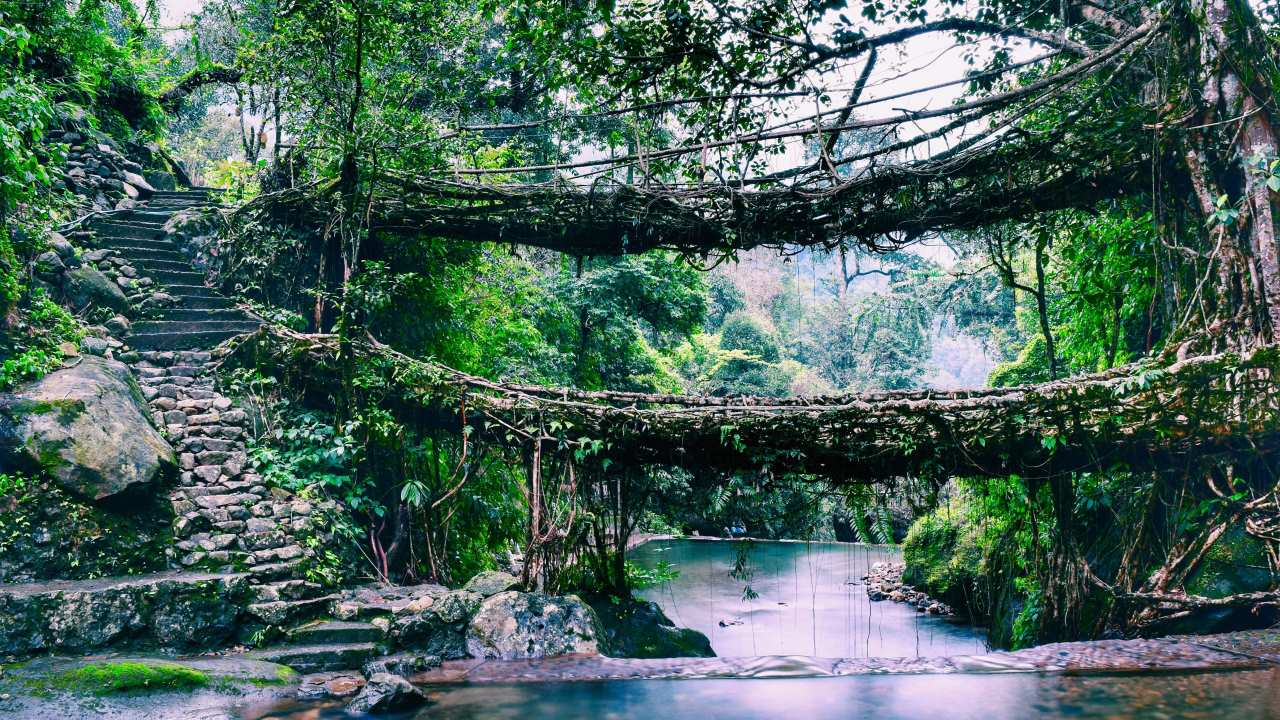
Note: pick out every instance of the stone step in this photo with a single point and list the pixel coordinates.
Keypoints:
(318, 658)
(331, 632)
(167, 277)
(170, 275)
(292, 589)
(276, 570)
(200, 302)
(177, 326)
(179, 265)
(291, 612)
(163, 251)
(146, 223)
(165, 358)
(181, 341)
(185, 291)
(137, 244)
(198, 314)
(150, 215)
(112, 232)
(178, 204)
(189, 192)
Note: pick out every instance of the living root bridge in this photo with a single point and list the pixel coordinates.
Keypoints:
(1205, 409)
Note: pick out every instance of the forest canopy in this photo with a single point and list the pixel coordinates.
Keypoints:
(556, 206)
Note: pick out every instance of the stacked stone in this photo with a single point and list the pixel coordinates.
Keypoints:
(97, 171)
(226, 518)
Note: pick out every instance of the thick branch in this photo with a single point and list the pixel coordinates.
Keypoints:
(172, 99)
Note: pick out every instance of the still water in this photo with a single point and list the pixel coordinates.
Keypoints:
(809, 600)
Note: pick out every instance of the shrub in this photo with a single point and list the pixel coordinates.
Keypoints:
(943, 554)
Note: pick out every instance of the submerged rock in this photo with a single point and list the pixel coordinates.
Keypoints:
(329, 685)
(387, 693)
(491, 582)
(86, 426)
(403, 664)
(515, 625)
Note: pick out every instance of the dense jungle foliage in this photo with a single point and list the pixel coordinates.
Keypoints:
(327, 99)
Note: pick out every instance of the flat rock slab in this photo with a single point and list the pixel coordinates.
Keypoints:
(318, 658)
(380, 600)
(115, 583)
(233, 683)
(336, 631)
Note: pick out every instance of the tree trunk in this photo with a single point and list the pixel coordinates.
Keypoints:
(1233, 136)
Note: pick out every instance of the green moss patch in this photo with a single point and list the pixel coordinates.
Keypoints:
(130, 676)
(284, 675)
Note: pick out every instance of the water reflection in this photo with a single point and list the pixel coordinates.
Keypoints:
(810, 602)
(1240, 695)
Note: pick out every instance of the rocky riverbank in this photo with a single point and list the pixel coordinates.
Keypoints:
(884, 582)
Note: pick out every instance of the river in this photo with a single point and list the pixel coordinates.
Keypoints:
(810, 600)
(807, 600)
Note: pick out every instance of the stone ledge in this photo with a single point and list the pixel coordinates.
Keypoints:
(169, 609)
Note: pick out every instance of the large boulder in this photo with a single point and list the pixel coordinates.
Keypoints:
(437, 623)
(515, 625)
(86, 427)
(87, 287)
(139, 183)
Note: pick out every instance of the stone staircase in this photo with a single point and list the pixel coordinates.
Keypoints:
(201, 317)
(226, 518)
(240, 556)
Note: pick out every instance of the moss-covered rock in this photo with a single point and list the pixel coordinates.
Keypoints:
(106, 678)
(85, 426)
(639, 629)
(86, 288)
(491, 582)
(1235, 564)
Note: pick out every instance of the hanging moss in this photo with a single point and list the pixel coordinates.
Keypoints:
(1235, 564)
